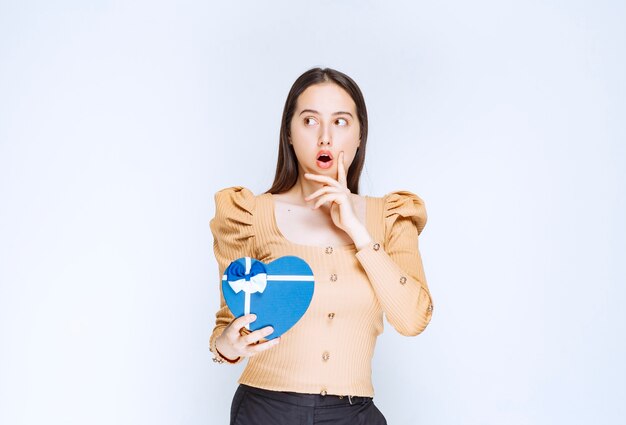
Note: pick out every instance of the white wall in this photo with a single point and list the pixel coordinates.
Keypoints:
(119, 120)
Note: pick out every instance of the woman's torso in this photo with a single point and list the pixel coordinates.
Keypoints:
(331, 347)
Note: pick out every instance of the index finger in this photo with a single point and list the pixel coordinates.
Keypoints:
(341, 170)
(241, 322)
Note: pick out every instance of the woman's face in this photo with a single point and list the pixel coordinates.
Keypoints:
(324, 123)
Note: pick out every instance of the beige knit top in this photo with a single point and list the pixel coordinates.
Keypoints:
(330, 349)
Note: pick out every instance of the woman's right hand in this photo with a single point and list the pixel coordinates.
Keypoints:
(231, 344)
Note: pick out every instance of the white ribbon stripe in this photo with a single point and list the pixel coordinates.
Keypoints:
(281, 278)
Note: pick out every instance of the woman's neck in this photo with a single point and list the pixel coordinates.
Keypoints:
(301, 190)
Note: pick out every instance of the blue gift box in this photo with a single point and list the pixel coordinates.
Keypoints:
(279, 292)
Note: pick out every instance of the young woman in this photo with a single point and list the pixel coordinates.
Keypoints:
(363, 252)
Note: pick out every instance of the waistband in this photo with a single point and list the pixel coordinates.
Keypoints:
(307, 400)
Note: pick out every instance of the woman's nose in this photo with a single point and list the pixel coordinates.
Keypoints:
(325, 137)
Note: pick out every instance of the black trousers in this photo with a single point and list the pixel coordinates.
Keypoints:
(257, 406)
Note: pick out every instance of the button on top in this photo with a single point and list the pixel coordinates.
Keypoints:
(325, 356)
(329, 250)
(403, 280)
(331, 315)
(333, 277)
(376, 246)
(324, 392)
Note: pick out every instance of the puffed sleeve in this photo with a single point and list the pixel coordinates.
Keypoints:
(395, 268)
(233, 238)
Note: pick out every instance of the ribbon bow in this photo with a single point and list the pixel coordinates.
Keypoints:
(250, 280)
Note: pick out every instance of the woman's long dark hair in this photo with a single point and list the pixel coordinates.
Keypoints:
(287, 165)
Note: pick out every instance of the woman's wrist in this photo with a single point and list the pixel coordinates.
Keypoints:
(360, 236)
(219, 352)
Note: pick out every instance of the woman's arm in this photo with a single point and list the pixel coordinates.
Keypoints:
(395, 270)
(397, 275)
(233, 238)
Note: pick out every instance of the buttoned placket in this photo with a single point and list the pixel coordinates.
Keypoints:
(331, 315)
(333, 278)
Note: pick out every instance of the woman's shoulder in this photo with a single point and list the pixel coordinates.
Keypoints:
(405, 204)
(235, 203)
(236, 195)
(398, 197)
(233, 223)
(235, 191)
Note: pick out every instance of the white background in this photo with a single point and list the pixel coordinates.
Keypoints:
(120, 120)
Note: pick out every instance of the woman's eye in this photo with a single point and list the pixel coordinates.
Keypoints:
(342, 122)
(309, 121)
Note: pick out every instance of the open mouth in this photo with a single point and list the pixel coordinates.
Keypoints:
(324, 159)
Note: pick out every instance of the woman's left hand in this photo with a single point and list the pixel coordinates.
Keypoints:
(337, 193)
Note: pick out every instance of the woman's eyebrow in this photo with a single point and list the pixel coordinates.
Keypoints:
(334, 113)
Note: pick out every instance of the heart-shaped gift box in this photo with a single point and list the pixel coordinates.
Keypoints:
(279, 292)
